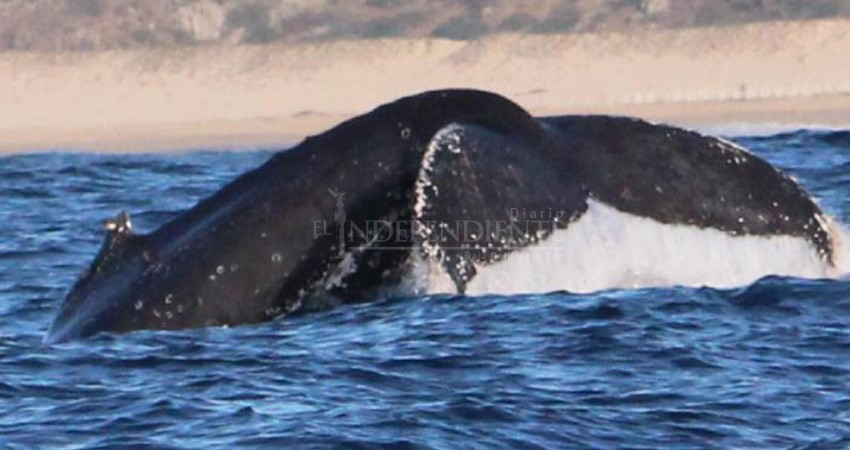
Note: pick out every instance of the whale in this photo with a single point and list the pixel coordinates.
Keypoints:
(461, 192)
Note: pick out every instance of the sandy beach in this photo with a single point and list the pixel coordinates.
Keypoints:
(784, 74)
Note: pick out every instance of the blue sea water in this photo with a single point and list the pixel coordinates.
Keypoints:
(761, 366)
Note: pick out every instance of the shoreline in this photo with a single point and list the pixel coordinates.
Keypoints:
(727, 117)
(787, 74)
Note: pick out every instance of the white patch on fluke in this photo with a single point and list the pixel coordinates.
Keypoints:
(607, 249)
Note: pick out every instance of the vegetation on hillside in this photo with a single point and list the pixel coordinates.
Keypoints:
(104, 24)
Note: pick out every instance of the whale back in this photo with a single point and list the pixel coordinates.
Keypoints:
(122, 257)
(250, 252)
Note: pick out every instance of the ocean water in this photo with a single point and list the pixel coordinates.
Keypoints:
(760, 366)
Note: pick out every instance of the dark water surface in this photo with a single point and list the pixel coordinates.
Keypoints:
(764, 366)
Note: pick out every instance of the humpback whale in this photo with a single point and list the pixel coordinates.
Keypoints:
(456, 191)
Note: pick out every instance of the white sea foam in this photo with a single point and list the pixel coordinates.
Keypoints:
(607, 249)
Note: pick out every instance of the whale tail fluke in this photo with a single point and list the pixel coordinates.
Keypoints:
(677, 176)
(499, 202)
(481, 194)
